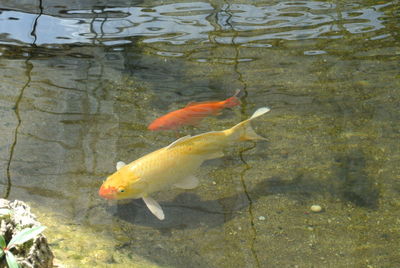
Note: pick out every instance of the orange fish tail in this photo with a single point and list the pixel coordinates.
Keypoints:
(231, 102)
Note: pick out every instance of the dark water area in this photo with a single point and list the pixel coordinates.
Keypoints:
(81, 81)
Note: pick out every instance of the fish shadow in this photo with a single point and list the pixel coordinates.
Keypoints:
(188, 210)
(352, 182)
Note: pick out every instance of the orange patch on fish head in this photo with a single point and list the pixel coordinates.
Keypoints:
(114, 186)
(108, 192)
(121, 185)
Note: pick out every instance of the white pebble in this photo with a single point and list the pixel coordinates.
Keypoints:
(261, 218)
(316, 208)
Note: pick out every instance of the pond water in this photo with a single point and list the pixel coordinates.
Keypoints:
(81, 82)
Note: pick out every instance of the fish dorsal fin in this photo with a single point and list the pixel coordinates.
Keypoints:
(120, 164)
(198, 103)
(154, 207)
(178, 141)
(189, 182)
(183, 139)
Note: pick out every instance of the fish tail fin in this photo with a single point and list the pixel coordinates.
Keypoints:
(233, 101)
(244, 131)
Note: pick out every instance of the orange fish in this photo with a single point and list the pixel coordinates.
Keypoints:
(193, 113)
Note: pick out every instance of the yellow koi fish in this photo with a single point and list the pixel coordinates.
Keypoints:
(173, 165)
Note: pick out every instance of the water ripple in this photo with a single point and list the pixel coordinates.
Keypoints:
(181, 23)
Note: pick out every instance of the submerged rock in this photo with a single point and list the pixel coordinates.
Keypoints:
(316, 208)
(34, 253)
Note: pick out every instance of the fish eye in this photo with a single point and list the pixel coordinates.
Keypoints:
(121, 190)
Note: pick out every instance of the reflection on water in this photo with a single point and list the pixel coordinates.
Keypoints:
(180, 23)
(80, 83)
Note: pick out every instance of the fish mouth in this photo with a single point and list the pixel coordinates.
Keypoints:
(107, 193)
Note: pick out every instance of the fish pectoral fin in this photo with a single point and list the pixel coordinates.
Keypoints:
(189, 182)
(154, 207)
(120, 164)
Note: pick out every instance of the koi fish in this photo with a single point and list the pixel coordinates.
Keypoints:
(173, 165)
(193, 113)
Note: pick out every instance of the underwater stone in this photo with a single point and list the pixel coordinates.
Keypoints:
(32, 254)
(316, 208)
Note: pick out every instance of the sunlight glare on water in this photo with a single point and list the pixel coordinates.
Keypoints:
(179, 23)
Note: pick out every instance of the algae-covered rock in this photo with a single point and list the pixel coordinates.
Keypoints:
(34, 253)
